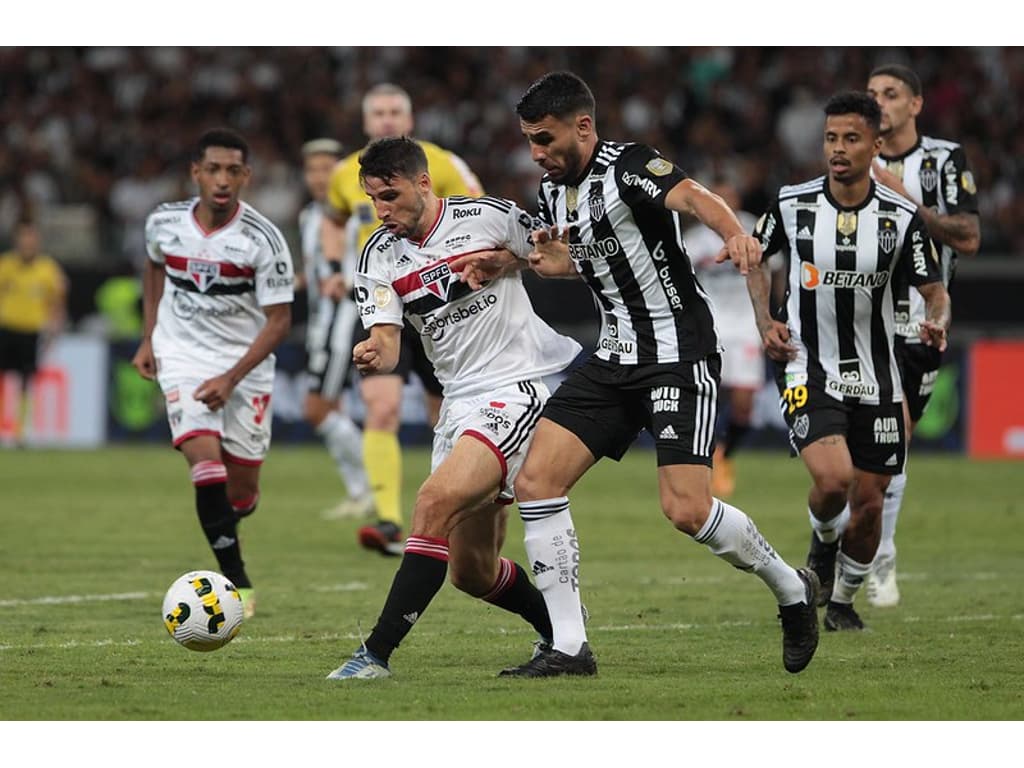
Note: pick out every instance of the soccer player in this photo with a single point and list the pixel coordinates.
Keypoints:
(846, 240)
(742, 356)
(387, 112)
(490, 351)
(329, 339)
(33, 293)
(217, 295)
(612, 215)
(933, 173)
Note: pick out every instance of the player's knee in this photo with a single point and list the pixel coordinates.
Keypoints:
(533, 484)
(687, 511)
(433, 511)
(834, 486)
(382, 413)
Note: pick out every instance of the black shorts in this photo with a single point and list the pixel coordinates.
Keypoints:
(919, 368)
(19, 351)
(412, 358)
(875, 434)
(329, 342)
(606, 405)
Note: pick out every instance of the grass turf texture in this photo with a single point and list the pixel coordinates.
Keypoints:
(679, 635)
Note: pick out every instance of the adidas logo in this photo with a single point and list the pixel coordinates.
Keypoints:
(539, 568)
(804, 234)
(403, 260)
(411, 617)
(222, 542)
(891, 461)
(668, 434)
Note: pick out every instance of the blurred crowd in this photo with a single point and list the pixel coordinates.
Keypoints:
(108, 131)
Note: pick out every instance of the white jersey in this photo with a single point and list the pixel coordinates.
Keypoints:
(477, 340)
(734, 314)
(216, 283)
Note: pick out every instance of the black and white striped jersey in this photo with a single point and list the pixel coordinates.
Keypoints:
(935, 173)
(628, 247)
(840, 267)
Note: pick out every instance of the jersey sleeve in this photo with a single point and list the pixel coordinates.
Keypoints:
(769, 231)
(544, 208)
(520, 226)
(644, 177)
(453, 177)
(275, 276)
(958, 189)
(919, 260)
(153, 250)
(376, 298)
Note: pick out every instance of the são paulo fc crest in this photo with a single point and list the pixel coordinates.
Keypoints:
(203, 273)
(436, 279)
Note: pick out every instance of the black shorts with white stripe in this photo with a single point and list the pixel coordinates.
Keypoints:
(919, 368)
(606, 405)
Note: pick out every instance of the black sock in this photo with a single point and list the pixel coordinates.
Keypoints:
(516, 593)
(734, 433)
(218, 520)
(419, 578)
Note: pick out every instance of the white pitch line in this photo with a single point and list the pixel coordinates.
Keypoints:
(332, 637)
(68, 599)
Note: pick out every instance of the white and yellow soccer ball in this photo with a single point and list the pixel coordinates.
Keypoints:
(202, 610)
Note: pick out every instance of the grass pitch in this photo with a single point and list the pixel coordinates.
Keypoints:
(89, 541)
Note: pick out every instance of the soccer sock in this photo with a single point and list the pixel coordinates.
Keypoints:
(734, 433)
(382, 458)
(553, 550)
(849, 576)
(890, 512)
(344, 442)
(217, 518)
(731, 535)
(514, 592)
(829, 531)
(419, 577)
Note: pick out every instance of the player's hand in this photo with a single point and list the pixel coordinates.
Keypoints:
(214, 393)
(776, 342)
(934, 335)
(744, 251)
(366, 356)
(889, 179)
(335, 287)
(550, 251)
(144, 361)
(477, 269)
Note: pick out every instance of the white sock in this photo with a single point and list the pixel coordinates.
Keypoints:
(731, 535)
(830, 530)
(344, 442)
(849, 576)
(553, 550)
(890, 512)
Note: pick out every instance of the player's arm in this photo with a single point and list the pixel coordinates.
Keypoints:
(380, 352)
(937, 315)
(152, 292)
(332, 235)
(694, 199)
(921, 268)
(960, 231)
(774, 334)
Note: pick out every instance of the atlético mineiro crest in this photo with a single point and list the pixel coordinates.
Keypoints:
(203, 273)
(596, 201)
(436, 279)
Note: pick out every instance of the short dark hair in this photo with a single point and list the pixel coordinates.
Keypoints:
(221, 137)
(391, 157)
(900, 72)
(559, 94)
(856, 103)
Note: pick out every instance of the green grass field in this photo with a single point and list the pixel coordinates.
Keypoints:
(89, 541)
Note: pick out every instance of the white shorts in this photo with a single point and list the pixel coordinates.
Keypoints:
(243, 424)
(504, 420)
(742, 362)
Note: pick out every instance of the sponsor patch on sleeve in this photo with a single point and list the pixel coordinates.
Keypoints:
(381, 296)
(967, 182)
(659, 166)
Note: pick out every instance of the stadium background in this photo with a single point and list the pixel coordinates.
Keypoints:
(93, 138)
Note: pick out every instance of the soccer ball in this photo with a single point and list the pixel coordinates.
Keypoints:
(202, 610)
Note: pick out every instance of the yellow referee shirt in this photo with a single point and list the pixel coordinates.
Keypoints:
(448, 172)
(28, 292)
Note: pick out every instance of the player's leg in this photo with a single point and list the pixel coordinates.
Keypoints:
(467, 475)
(742, 376)
(681, 402)
(382, 458)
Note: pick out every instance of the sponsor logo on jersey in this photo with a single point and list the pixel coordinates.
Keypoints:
(496, 419)
(795, 379)
(203, 273)
(601, 249)
(860, 389)
(920, 265)
(849, 371)
(436, 279)
(665, 400)
(617, 346)
(457, 242)
(811, 278)
(764, 229)
(952, 185)
(435, 326)
(659, 166)
(887, 430)
(644, 183)
(465, 213)
(283, 279)
(404, 260)
(186, 307)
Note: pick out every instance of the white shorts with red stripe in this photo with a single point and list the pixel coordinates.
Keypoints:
(243, 425)
(504, 420)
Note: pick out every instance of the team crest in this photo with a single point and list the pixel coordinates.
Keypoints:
(801, 426)
(887, 236)
(659, 166)
(596, 201)
(203, 273)
(846, 223)
(436, 279)
(929, 177)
